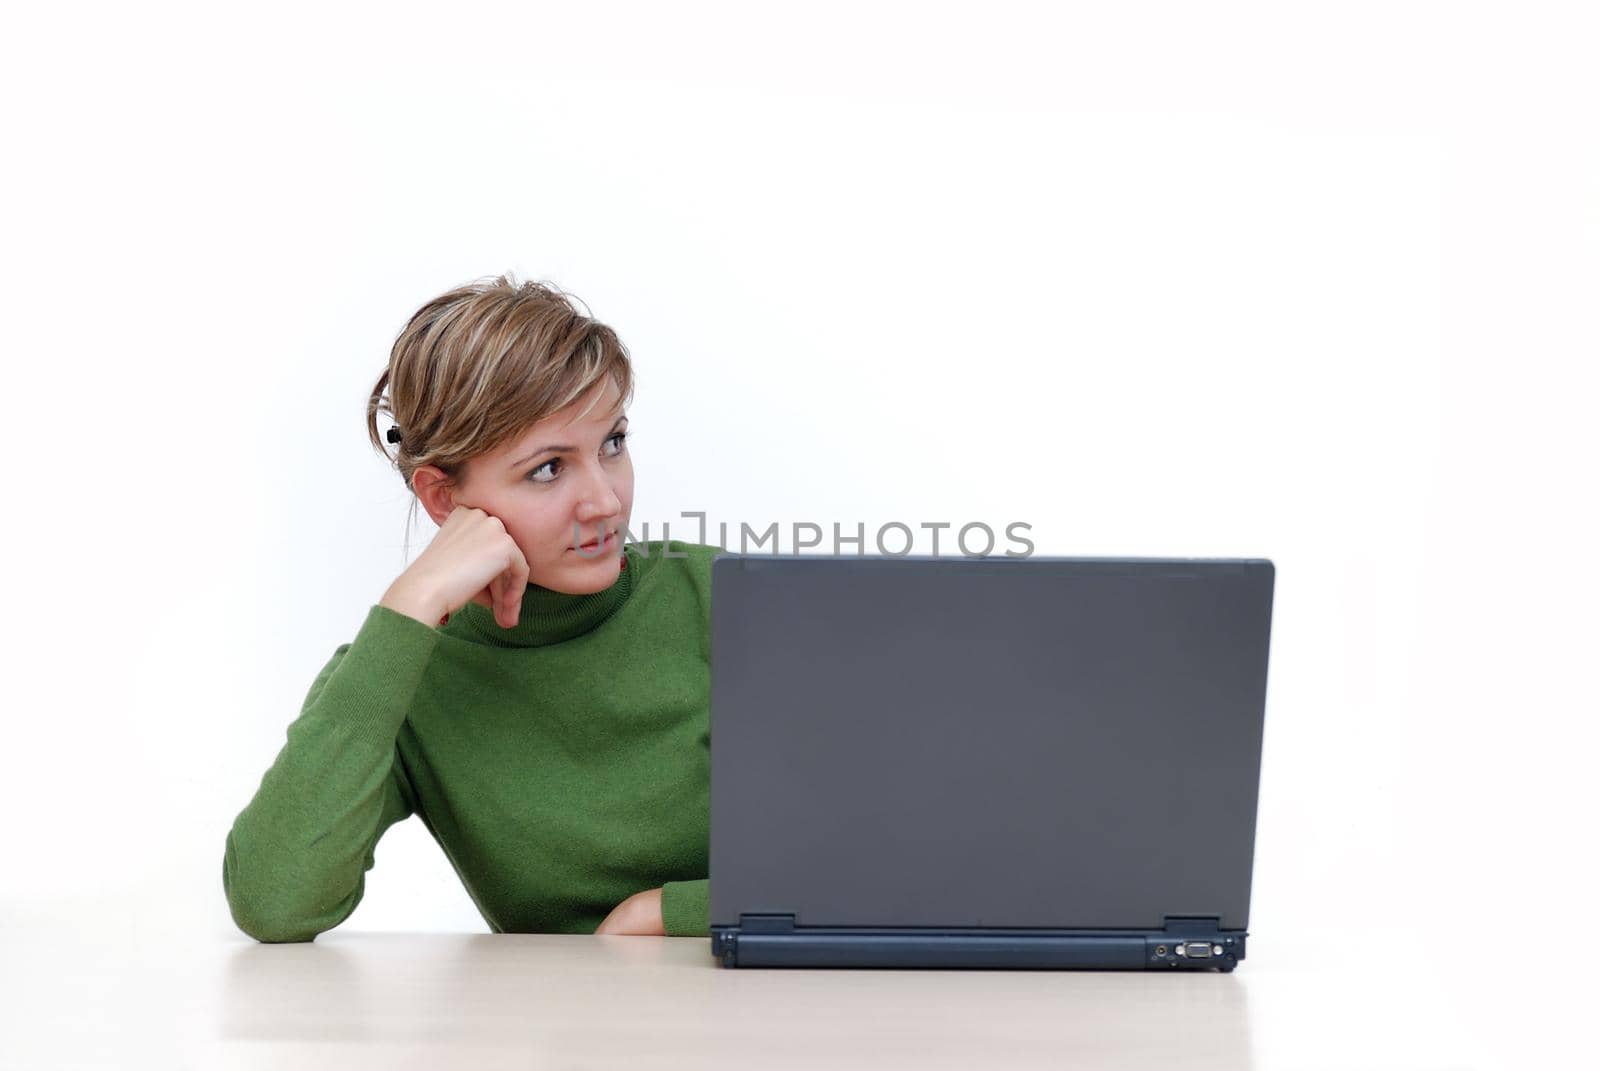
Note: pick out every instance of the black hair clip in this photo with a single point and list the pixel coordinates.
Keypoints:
(394, 435)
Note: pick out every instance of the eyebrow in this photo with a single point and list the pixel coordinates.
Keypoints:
(562, 449)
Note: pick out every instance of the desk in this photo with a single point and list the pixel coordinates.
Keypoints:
(357, 1000)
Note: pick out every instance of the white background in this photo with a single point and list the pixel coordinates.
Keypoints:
(1307, 282)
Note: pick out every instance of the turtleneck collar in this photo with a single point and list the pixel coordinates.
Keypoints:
(548, 616)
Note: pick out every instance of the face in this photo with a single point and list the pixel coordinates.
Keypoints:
(561, 484)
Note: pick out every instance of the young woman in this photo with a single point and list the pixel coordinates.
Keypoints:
(532, 688)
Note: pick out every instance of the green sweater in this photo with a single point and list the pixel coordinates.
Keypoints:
(562, 764)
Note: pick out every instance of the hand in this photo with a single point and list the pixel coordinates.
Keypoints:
(638, 915)
(472, 559)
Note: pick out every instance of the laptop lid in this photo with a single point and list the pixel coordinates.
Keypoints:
(952, 743)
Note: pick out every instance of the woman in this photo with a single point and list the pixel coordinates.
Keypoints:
(531, 688)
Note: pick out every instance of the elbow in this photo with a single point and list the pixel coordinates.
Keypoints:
(262, 911)
(268, 921)
(273, 931)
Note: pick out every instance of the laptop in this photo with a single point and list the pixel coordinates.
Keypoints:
(1043, 763)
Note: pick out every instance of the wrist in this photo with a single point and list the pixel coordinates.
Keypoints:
(413, 604)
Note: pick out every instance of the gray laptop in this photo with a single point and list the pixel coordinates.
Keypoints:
(996, 763)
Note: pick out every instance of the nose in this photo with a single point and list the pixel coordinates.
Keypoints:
(599, 500)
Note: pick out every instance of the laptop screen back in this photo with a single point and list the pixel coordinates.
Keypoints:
(1042, 742)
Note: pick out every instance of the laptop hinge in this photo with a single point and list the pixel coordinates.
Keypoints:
(1181, 924)
(766, 923)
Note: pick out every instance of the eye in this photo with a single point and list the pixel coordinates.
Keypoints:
(553, 466)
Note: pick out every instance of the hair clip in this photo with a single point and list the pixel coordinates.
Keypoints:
(394, 435)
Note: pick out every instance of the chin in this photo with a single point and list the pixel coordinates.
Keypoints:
(580, 586)
(585, 578)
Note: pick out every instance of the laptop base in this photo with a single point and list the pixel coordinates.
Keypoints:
(775, 941)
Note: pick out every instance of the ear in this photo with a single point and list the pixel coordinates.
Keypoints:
(434, 490)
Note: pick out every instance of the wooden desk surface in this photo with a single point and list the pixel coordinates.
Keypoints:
(353, 1000)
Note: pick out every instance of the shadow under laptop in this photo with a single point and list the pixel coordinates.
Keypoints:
(992, 1018)
(1135, 1019)
(1105, 1019)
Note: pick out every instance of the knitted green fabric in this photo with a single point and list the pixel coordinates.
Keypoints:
(562, 764)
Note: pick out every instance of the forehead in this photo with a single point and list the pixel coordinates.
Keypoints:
(591, 415)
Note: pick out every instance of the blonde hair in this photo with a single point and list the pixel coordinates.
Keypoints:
(476, 366)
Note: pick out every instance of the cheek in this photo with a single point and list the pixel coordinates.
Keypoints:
(555, 525)
(537, 525)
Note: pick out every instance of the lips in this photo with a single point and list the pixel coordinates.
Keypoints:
(594, 545)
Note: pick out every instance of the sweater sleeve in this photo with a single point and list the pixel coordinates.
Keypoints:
(686, 908)
(295, 861)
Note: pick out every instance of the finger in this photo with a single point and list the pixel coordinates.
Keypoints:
(517, 583)
(505, 611)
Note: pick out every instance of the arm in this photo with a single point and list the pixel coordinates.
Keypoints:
(296, 858)
(686, 908)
